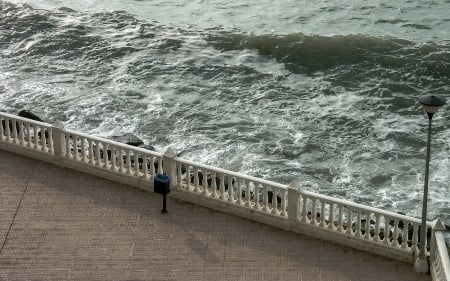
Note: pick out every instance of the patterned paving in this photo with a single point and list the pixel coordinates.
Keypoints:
(60, 224)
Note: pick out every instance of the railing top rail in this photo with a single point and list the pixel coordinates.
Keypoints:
(26, 120)
(231, 173)
(363, 207)
(118, 144)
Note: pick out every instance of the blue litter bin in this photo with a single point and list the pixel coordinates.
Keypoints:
(161, 185)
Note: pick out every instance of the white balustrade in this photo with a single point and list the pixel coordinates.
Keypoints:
(439, 256)
(112, 156)
(26, 133)
(291, 205)
(359, 221)
(231, 188)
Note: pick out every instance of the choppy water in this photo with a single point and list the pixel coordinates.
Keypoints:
(320, 91)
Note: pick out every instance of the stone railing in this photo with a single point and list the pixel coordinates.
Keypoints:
(286, 206)
(439, 261)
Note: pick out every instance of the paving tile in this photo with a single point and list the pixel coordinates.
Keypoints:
(73, 226)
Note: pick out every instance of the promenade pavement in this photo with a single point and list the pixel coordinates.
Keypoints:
(60, 224)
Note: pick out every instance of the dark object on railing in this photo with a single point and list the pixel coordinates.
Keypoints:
(29, 115)
(161, 185)
(270, 196)
(209, 179)
(132, 140)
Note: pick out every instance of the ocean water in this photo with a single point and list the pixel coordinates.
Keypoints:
(320, 91)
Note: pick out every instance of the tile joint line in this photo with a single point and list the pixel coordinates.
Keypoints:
(17, 210)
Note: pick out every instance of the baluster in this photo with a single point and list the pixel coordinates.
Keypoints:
(83, 150)
(93, 147)
(386, 230)
(322, 213)
(367, 228)
(274, 200)
(128, 161)
(68, 146)
(247, 193)
(113, 158)
(43, 139)
(8, 131)
(239, 191)
(265, 198)
(331, 216)
(222, 187)
(28, 135)
(21, 135)
(105, 156)
(97, 153)
(91, 152)
(405, 235)
(349, 221)
(98, 160)
(14, 131)
(152, 167)
(2, 131)
(257, 204)
(304, 209)
(358, 224)
(145, 168)
(376, 235)
(35, 140)
(395, 236)
(179, 176)
(214, 184)
(196, 180)
(136, 164)
(188, 178)
(75, 148)
(230, 189)
(160, 166)
(340, 218)
(283, 203)
(50, 140)
(121, 160)
(205, 182)
(313, 211)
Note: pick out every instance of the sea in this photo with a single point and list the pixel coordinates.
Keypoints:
(324, 92)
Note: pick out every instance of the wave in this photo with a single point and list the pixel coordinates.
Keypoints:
(66, 34)
(309, 53)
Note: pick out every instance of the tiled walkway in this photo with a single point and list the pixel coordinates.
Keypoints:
(60, 224)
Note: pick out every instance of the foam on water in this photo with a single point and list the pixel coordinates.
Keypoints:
(336, 110)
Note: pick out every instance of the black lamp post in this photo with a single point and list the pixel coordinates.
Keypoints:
(431, 104)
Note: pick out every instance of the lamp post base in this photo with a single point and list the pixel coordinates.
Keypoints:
(421, 265)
